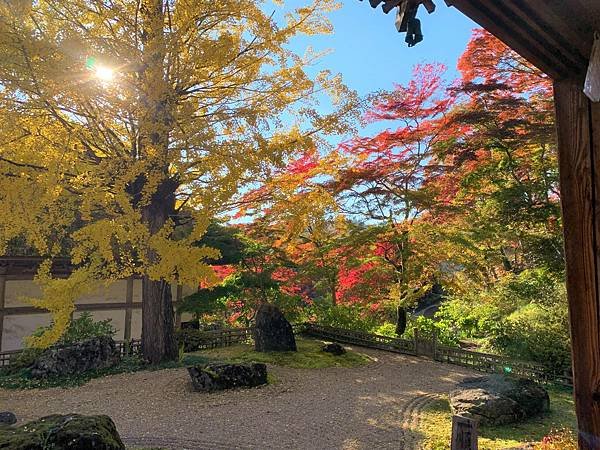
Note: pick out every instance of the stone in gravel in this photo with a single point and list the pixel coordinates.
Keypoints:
(334, 348)
(272, 331)
(7, 418)
(64, 360)
(69, 432)
(221, 376)
(499, 400)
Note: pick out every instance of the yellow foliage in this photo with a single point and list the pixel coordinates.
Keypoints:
(58, 296)
(101, 168)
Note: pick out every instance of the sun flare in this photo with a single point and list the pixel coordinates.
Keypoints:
(105, 74)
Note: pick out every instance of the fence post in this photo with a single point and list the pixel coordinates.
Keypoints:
(416, 338)
(3, 271)
(464, 433)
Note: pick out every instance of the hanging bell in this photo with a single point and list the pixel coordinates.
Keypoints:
(413, 32)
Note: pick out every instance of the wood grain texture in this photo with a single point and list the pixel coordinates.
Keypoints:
(128, 310)
(555, 36)
(2, 302)
(464, 433)
(579, 161)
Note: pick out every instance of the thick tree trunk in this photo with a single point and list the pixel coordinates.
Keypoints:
(401, 320)
(158, 333)
(156, 123)
(158, 339)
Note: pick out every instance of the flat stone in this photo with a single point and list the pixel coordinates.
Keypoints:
(334, 348)
(499, 400)
(7, 418)
(221, 376)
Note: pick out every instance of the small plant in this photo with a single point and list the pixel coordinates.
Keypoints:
(191, 339)
(558, 440)
(22, 360)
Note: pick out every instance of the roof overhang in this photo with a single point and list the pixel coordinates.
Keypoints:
(554, 35)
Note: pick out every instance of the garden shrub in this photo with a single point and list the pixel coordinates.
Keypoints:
(352, 317)
(387, 329)
(22, 360)
(523, 316)
(81, 329)
(428, 328)
(191, 339)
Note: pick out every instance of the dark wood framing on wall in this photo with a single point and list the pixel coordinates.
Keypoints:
(13, 268)
(557, 36)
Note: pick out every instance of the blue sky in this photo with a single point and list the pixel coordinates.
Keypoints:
(371, 55)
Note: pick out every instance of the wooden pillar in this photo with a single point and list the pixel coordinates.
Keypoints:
(128, 309)
(464, 433)
(578, 123)
(2, 301)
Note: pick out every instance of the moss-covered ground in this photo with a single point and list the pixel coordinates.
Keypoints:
(308, 356)
(436, 425)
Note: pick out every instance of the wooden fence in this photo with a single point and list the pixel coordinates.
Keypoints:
(419, 346)
(225, 338)
(428, 346)
(360, 338)
(212, 339)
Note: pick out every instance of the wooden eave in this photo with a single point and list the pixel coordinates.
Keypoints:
(554, 35)
(26, 266)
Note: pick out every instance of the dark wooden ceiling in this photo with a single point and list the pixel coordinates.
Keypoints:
(555, 35)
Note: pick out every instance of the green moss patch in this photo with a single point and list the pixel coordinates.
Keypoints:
(20, 379)
(308, 356)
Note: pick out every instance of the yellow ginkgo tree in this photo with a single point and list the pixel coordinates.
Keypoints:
(116, 115)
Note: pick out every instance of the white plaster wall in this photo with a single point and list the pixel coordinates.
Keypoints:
(18, 327)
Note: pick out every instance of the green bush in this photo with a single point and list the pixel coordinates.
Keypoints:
(22, 360)
(387, 329)
(82, 328)
(523, 316)
(536, 334)
(353, 317)
(428, 328)
(191, 339)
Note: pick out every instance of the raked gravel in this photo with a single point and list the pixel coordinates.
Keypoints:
(371, 407)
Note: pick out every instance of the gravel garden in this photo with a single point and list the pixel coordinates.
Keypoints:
(320, 396)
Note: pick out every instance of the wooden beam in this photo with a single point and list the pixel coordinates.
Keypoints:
(2, 301)
(579, 163)
(104, 306)
(128, 309)
(534, 32)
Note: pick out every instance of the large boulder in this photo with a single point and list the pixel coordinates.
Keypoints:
(220, 376)
(272, 331)
(64, 360)
(70, 432)
(499, 400)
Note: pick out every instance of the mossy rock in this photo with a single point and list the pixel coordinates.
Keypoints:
(220, 376)
(69, 432)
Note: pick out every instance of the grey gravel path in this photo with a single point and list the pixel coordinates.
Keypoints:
(371, 407)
